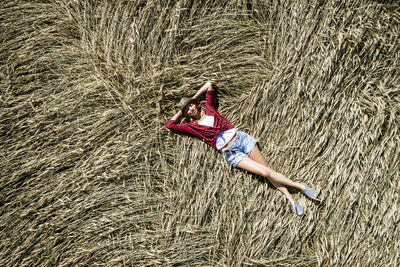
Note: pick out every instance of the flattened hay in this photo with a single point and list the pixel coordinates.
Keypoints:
(91, 176)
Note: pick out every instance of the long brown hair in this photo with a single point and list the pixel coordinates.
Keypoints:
(185, 109)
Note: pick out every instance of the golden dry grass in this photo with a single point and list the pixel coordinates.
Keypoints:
(90, 175)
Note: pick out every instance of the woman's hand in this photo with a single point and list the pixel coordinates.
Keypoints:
(203, 89)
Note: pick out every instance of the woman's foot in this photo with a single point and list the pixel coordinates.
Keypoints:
(297, 209)
(309, 192)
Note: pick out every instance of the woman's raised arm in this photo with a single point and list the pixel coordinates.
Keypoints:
(177, 116)
(203, 89)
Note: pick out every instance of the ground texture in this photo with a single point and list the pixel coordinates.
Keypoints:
(91, 176)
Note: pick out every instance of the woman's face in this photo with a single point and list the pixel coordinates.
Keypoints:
(193, 111)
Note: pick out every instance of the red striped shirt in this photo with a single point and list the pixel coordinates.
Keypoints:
(208, 134)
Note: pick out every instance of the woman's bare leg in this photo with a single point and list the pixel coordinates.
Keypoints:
(257, 156)
(253, 166)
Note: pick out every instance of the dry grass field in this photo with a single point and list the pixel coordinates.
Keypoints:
(91, 176)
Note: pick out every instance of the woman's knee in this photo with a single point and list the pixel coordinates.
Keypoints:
(266, 172)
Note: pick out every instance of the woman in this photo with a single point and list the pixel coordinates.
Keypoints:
(238, 148)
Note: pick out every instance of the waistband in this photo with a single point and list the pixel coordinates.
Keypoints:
(223, 149)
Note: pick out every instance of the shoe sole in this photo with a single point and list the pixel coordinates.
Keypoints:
(313, 198)
(298, 214)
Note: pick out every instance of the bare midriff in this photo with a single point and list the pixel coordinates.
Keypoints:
(228, 144)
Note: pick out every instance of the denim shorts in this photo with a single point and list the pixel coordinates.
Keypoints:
(241, 147)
